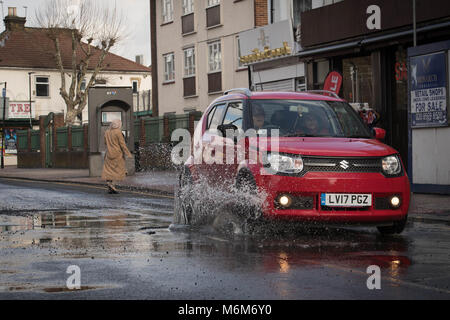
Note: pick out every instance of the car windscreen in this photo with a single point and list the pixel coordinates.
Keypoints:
(308, 118)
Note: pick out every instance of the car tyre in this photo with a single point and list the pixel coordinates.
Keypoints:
(249, 214)
(396, 228)
(184, 209)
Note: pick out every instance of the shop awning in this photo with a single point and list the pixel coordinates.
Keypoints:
(366, 41)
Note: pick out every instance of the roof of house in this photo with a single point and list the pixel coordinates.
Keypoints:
(32, 48)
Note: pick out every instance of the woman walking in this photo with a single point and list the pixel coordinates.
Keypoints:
(116, 149)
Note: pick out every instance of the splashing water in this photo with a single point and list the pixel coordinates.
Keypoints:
(227, 209)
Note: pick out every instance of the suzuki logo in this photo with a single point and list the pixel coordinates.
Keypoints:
(344, 164)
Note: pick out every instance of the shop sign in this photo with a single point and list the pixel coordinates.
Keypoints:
(266, 43)
(21, 110)
(267, 54)
(429, 90)
(333, 82)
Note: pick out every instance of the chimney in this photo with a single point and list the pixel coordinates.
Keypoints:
(12, 21)
(140, 59)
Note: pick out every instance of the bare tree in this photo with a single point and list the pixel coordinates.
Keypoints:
(90, 30)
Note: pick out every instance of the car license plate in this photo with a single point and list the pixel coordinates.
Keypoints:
(346, 200)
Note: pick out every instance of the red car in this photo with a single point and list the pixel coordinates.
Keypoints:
(329, 166)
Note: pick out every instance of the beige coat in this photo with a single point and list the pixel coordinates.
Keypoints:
(114, 166)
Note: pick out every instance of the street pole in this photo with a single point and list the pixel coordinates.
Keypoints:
(414, 23)
(3, 128)
(29, 84)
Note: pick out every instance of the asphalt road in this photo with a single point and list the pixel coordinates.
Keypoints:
(124, 249)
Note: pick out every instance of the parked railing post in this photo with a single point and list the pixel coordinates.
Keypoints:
(166, 137)
(86, 145)
(69, 139)
(142, 141)
(28, 140)
(42, 139)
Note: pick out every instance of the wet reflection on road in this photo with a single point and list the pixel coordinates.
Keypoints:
(30, 243)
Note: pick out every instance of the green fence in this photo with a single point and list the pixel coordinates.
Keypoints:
(154, 130)
(35, 140)
(62, 137)
(154, 127)
(22, 140)
(77, 137)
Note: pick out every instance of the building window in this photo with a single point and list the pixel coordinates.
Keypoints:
(240, 65)
(188, 6)
(299, 7)
(189, 62)
(135, 86)
(169, 67)
(214, 56)
(189, 88)
(213, 3)
(213, 13)
(300, 84)
(42, 87)
(214, 67)
(279, 10)
(167, 10)
(187, 20)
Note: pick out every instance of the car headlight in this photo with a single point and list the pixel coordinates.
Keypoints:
(391, 165)
(285, 164)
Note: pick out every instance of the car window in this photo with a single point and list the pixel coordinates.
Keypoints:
(308, 118)
(234, 114)
(215, 116)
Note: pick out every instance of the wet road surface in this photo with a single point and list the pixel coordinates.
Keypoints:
(125, 250)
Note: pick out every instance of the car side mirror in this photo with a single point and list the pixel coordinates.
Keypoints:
(379, 133)
(224, 127)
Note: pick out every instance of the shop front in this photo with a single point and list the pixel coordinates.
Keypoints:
(17, 117)
(367, 42)
(429, 130)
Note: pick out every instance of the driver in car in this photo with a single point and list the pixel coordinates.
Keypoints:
(311, 125)
(258, 117)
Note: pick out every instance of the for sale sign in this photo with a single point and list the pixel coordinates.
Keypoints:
(429, 90)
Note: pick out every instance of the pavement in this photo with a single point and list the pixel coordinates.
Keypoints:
(163, 182)
(160, 182)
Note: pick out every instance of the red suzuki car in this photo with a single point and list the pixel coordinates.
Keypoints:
(316, 160)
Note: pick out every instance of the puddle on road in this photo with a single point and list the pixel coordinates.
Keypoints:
(144, 239)
(72, 219)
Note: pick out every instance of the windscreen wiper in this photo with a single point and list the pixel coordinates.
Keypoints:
(355, 136)
(299, 135)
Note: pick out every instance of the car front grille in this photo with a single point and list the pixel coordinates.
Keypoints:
(327, 164)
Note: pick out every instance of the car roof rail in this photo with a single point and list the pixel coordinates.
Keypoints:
(245, 91)
(323, 91)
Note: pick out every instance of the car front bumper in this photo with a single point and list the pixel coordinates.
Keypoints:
(313, 184)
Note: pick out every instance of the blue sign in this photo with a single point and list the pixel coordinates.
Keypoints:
(429, 90)
(3, 92)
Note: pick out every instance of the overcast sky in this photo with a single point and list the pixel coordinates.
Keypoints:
(136, 14)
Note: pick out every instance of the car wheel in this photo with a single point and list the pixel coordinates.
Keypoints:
(184, 207)
(396, 228)
(249, 213)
